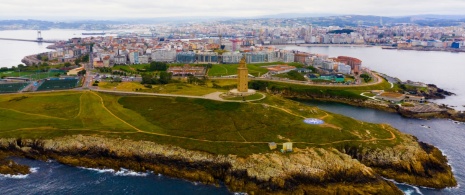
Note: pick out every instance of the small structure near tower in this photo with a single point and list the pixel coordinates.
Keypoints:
(287, 147)
(242, 81)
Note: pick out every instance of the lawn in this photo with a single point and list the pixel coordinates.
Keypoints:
(250, 97)
(172, 88)
(27, 74)
(197, 124)
(231, 69)
(342, 91)
(131, 68)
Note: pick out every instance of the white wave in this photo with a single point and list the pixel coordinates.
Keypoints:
(20, 176)
(34, 169)
(121, 172)
(126, 172)
(416, 188)
(99, 170)
(408, 192)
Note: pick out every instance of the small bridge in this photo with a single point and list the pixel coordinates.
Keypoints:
(38, 40)
(29, 40)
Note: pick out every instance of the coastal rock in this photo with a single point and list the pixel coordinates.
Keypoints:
(410, 162)
(311, 170)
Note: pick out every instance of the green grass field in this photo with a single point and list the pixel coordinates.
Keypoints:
(231, 69)
(27, 74)
(172, 88)
(198, 124)
(254, 69)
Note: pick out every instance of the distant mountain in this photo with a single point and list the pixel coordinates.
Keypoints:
(287, 20)
(369, 20)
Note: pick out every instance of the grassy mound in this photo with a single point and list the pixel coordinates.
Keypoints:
(206, 125)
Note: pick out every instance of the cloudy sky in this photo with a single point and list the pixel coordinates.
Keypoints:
(111, 9)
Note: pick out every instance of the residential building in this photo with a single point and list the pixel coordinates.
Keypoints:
(134, 58)
(143, 59)
(232, 57)
(185, 57)
(163, 55)
(207, 57)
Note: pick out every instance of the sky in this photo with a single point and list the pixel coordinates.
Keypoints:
(117, 9)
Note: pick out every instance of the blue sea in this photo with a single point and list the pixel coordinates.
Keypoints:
(54, 178)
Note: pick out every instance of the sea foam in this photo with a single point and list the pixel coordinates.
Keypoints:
(121, 172)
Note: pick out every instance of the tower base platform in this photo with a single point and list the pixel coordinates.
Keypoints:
(235, 92)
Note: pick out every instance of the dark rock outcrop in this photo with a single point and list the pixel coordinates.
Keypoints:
(326, 171)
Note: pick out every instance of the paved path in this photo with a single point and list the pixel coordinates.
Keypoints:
(378, 79)
(211, 96)
(214, 96)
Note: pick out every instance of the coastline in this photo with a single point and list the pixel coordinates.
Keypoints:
(255, 174)
(326, 45)
(305, 171)
(427, 49)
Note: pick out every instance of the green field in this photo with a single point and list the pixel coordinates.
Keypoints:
(342, 91)
(172, 88)
(231, 69)
(198, 124)
(27, 74)
(254, 69)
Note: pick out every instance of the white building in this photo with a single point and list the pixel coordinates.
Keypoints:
(163, 55)
(344, 69)
(288, 57)
(232, 57)
(143, 59)
(134, 58)
(120, 59)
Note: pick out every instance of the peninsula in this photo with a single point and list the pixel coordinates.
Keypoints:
(187, 121)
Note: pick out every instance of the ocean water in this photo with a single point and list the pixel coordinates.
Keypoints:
(445, 69)
(12, 52)
(55, 178)
(447, 135)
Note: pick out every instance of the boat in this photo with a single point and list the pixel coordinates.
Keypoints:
(389, 47)
(94, 33)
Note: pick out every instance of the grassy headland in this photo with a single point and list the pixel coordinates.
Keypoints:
(233, 134)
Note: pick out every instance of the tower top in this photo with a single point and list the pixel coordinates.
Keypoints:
(242, 63)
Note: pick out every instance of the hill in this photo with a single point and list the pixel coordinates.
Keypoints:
(188, 138)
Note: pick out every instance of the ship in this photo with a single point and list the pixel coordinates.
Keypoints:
(94, 33)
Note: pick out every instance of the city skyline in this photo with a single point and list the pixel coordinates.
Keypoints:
(118, 9)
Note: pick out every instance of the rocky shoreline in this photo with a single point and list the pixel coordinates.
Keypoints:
(445, 113)
(341, 170)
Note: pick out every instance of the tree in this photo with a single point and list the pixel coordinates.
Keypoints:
(67, 64)
(82, 73)
(85, 58)
(311, 68)
(20, 67)
(165, 77)
(147, 79)
(294, 75)
(117, 79)
(77, 61)
(158, 66)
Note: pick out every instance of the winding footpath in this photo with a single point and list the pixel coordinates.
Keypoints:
(393, 136)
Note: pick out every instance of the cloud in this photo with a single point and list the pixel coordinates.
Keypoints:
(107, 9)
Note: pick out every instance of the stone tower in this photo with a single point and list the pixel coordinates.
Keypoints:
(242, 77)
